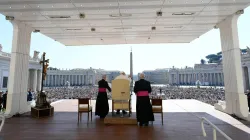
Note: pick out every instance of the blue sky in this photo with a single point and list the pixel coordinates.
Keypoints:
(116, 57)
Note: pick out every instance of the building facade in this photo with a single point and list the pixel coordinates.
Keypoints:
(158, 76)
(208, 74)
(55, 77)
(35, 73)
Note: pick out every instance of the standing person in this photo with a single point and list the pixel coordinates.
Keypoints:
(144, 111)
(1, 100)
(102, 105)
(5, 99)
(29, 96)
(248, 99)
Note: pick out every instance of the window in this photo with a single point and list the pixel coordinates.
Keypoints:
(5, 82)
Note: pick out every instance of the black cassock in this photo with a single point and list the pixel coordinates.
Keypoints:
(102, 105)
(248, 98)
(144, 111)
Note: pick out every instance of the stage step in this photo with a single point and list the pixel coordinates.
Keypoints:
(118, 120)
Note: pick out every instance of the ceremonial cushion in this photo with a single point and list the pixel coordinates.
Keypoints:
(157, 109)
(85, 108)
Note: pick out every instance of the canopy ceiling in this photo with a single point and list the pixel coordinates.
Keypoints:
(121, 21)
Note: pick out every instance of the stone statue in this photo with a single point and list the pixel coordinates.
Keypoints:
(198, 83)
(67, 84)
(1, 47)
(35, 56)
(248, 50)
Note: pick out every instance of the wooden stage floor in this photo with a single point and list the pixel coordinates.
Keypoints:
(178, 125)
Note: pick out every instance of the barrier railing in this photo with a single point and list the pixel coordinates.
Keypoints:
(2, 118)
(214, 129)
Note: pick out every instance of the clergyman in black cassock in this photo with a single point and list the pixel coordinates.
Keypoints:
(144, 111)
(102, 105)
(248, 99)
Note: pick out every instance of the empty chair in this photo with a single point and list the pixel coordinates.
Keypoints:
(84, 107)
(157, 107)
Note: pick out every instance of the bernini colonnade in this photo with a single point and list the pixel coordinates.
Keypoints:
(74, 77)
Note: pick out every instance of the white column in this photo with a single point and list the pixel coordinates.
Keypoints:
(46, 80)
(81, 79)
(213, 81)
(71, 79)
(84, 77)
(33, 79)
(39, 80)
(236, 101)
(56, 80)
(62, 79)
(203, 78)
(218, 79)
(78, 79)
(75, 79)
(93, 79)
(211, 78)
(49, 79)
(19, 70)
(215, 78)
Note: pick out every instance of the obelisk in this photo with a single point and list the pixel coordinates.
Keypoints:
(131, 70)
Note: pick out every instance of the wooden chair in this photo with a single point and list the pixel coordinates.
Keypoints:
(157, 107)
(84, 107)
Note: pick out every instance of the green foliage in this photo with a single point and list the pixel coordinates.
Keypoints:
(243, 50)
(216, 58)
(213, 58)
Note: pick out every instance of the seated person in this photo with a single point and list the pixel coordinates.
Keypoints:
(122, 76)
(29, 96)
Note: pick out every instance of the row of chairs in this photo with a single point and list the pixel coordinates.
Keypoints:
(84, 106)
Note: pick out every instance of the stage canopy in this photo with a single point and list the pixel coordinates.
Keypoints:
(103, 22)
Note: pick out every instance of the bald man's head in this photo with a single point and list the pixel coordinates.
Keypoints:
(104, 77)
(142, 76)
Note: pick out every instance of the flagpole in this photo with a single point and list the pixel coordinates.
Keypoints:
(131, 70)
(131, 84)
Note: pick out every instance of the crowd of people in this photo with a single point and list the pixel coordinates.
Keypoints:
(208, 95)
(58, 93)
(3, 100)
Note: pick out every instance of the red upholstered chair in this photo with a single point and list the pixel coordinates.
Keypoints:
(157, 107)
(84, 107)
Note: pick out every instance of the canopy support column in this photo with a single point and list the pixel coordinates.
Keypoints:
(19, 70)
(236, 100)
